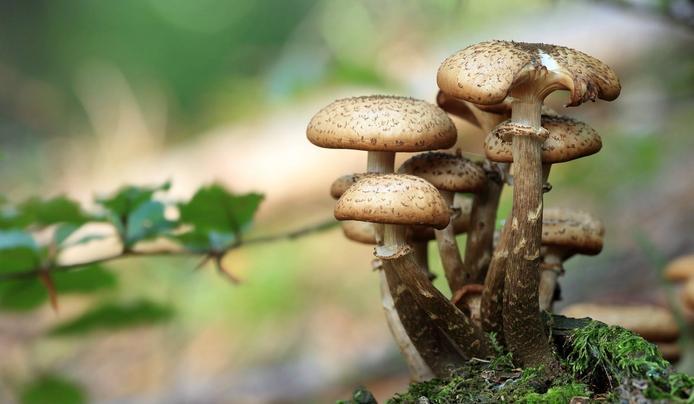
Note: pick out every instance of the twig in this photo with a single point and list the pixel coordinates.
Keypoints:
(291, 235)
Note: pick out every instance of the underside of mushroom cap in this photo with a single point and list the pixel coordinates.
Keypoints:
(382, 123)
(361, 232)
(393, 199)
(653, 323)
(567, 139)
(447, 172)
(572, 230)
(461, 221)
(486, 73)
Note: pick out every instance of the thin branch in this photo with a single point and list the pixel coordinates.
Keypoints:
(291, 235)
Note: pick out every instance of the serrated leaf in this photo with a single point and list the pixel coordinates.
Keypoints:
(112, 316)
(218, 217)
(147, 222)
(52, 389)
(128, 198)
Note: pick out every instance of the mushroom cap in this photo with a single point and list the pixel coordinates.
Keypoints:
(688, 294)
(568, 139)
(485, 73)
(393, 199)
(680, 269)
(447, 172)
(572, 230)
(361, 232)
(461, 222)
(340, 185)
(382, 123)
(653, 323)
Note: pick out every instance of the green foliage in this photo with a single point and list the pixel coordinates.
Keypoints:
(110, 316)
(218, 218)
(620, 355)
(52, 389)
(360, 396)
(18, 251)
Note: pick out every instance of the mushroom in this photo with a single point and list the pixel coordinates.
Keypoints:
(443, 335)
(489, 73)
(688, 295)
(449, 174)
(653, 323)
(680, 269)
(565, 232)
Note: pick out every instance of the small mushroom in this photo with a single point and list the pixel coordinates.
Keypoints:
(680, 269)
(565, 232)
(449, 174)
(653, 323)
(397, 201)
(525, 74)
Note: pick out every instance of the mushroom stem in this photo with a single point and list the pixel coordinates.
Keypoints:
(491, 308)
(380, 162)
(419, 370)
(443, 335)
(421, 254)
(524, 329)
(546, 167)
(448, 250)
(479, 243)
(551, 268)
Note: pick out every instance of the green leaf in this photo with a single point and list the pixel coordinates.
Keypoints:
(218, 217)
(18, 251)
(111, 316)
(129, 198)
(52, 389)
(52, 211)
(22, 295)
(87, 279)
(147, 222)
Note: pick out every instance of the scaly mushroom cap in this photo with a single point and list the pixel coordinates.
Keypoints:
(361, 232)
(653, 323)
(340, 185)
(485, 73)
(574, 231)
(568, 139)
(445, 171)
(461, 222)
(393, 199)
(681, 269)
(382, 123)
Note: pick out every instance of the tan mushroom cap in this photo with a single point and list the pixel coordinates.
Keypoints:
(653, 323)
(485, 73)
(393, 199)
(361, 232)
(340, 185)
(568, 139)
(688, 294)
(446, 172)
(680, 269)
(461, 222)
(573, 230)
(382, 123)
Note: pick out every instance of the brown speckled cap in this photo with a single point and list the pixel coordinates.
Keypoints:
(382, 123)
(340, 185)
(446, 172)
(393, 199)
(653, 323)
(361, 232)
(575, 231)
(568, 139)
(680, 269)
(485, 73)
(461, 222)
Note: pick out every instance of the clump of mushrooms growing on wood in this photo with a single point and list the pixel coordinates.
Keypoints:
(500, 87)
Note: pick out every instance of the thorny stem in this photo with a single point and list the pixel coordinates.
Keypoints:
(448, 250)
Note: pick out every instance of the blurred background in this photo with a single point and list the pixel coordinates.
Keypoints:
(97, 94)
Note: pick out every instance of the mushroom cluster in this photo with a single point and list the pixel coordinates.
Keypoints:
(498, 287)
